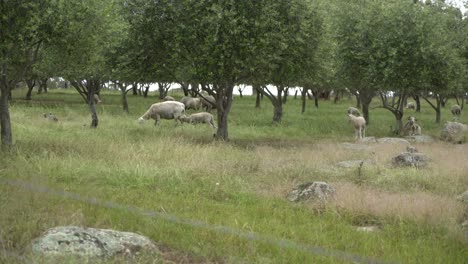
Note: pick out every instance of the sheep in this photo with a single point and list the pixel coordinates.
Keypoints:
(456, 110)
(410, 105)
(353, 111)
(168, 98)
(411, 128)
(51, 117)
(454, 132)
(359, 125)
(191, 103)
(164, 110)
(202, 117)
(97, 99)
(209, 102)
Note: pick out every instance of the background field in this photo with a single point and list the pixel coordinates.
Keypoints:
(241, 184)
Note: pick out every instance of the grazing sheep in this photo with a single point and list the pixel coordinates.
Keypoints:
(198, 118)
(411, 128)
(97, 99)
(410, 105)
(51, 117)
(208, 102)
(191, 103)
(168, 98)
(456, 110)
(359, 125)
(454, 132)
(164, 110)
(353, 111)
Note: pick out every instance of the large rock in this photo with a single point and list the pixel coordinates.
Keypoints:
(463, 197)
(354, 163)
(75, 241)
(417, 160)
(311, 190)
(391, 140)
(420, 139)
(454, 132)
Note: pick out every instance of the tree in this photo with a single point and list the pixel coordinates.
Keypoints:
(25, 26)
(90, 29)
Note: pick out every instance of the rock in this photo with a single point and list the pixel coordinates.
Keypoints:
(354, 163)
(420, 139)
(368, 228)
(390, 140)
(352, 146)
(311, 190)
(463, 197)
(454, 132)
(417, 160)
(369, 140)
(76, 241)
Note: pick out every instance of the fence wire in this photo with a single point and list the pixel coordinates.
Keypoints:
(252, 236)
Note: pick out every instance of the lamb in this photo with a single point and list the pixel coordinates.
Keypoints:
(411, 128)
(353, 111)
(456, 110)
(197, 118)
(97, 99)
(51, 117)
(191, 103)
(359, 125)
(168, 98)
(164, 110)
(410, 105)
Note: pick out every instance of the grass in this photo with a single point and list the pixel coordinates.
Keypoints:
(240, 184)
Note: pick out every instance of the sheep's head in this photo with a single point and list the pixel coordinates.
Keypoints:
(141, 120)
(411, 120)
(183, 118)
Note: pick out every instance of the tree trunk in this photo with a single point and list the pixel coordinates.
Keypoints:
(285, 95)
(358, 101)
(418, 103)
(135, 88)
(42, 85)
(365, 98)
(277, 112)
(163, 88)
(256, 88)
(439, 103)
(194, 89)
(240, 92)
(295, 94)
(337, 97)
(303, 99)
(124, 101)
(443, 101)
(145, 92)
(5, 123)
(223, 105)
(30, 84)
(92, 109)
(316, 97)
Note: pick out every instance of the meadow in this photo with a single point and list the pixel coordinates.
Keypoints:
(241, 184)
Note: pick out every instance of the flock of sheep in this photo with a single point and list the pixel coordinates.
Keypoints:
(411, 128)
(171, 109)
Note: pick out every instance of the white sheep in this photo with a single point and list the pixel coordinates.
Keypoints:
(164, 110)
(97, 99)
(197, 118)
(410, 105)
(411, 128)
(208, 102)
(353, 111)
(191, 103)
(359, 125)
(168, 98)
(456, 110)
(51, 117)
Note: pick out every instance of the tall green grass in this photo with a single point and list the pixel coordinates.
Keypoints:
(241, 184)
